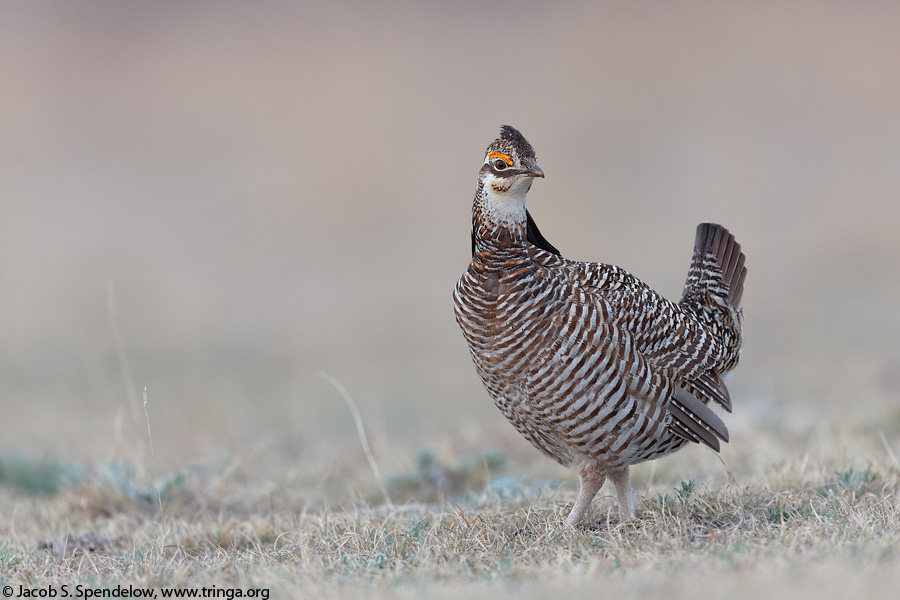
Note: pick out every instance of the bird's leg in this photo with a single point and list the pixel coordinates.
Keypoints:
(591, 481)
(624, 492)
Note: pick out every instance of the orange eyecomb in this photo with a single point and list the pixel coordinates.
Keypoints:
(505, 158)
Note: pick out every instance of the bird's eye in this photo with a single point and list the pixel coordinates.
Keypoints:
(499, 164)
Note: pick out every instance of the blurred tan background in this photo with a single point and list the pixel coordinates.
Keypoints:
(267, 190)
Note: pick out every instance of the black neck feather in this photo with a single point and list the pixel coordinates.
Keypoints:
(534, 237)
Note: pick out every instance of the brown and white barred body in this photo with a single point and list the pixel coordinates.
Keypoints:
(592, 366)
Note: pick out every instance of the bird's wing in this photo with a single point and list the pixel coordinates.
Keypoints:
(593, 380)
(670, 337)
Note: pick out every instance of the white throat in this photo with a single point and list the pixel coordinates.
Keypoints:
(505, 208)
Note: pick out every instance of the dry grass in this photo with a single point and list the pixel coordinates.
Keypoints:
(813, 525)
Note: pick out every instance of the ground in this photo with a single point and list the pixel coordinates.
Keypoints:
(824, 523)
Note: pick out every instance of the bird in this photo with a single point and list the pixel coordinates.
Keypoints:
(592, 366)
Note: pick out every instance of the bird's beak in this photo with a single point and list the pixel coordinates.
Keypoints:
(534, 171)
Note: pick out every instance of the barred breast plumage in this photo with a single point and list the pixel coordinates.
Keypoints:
(592, 366)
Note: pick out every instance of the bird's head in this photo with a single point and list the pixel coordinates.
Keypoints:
(509, 165)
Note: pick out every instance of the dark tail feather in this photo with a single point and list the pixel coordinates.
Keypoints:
(717, 260)
(709, 387)
(739, 285)
(697, 419)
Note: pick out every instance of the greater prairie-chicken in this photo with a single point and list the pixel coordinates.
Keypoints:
(593, 367)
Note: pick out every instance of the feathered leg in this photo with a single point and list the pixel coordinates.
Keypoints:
(591, 482)
(624, 492)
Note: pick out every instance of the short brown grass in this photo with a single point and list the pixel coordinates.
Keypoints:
(826, 526)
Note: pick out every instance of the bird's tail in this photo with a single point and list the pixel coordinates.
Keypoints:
(713, 290)
(716, 276)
